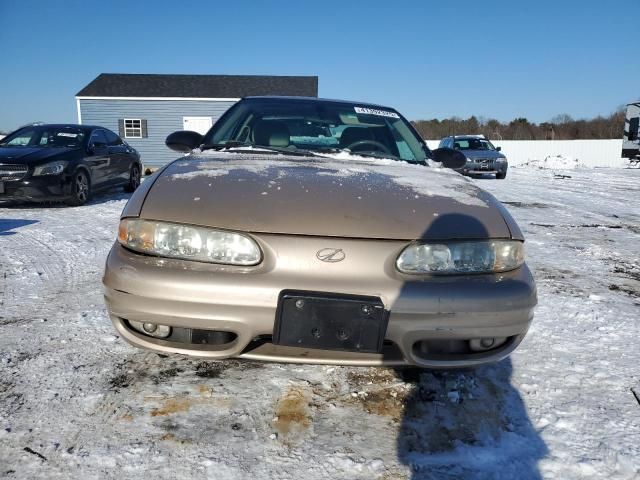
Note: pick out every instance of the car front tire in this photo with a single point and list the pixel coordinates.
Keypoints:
(134, 178)
(501, 175)
(80, 189)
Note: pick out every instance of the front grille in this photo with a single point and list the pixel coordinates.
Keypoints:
(486, 161)
(13, 171)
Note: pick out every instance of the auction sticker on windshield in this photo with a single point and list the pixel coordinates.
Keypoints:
(373, 111)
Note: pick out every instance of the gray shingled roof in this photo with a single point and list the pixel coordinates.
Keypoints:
(198, 86)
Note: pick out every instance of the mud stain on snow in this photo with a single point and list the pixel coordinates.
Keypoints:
(292, 416)
(377, 391)
(215, 369)
(526, 205)
(388, 402)
(204, 390)
(170, 437)
(172, 405)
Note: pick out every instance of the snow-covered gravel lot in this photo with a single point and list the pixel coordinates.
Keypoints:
(77, 402)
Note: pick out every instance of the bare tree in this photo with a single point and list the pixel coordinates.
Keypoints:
(560, 127)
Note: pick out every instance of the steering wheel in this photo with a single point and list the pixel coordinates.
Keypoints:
(380, 146)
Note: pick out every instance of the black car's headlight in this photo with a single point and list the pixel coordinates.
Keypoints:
(188, 242)
(53, 168)
(452, 258)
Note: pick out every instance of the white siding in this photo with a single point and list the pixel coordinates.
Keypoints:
(592, 153)
(163, 117)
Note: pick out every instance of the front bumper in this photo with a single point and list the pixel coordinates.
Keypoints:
(36, 189)
(244, 300)
(480, 168)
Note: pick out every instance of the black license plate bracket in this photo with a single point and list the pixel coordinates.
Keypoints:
(330, 321)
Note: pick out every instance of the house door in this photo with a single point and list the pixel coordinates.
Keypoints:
(197, 124)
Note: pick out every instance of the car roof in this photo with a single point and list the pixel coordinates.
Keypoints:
(64, 125)
(319, 100)
(463, 137)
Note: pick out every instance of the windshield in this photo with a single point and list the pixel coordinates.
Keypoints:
(292, 125)
(44, 136)
(472, 144)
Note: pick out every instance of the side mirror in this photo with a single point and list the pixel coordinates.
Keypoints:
(449, 158)
(498, 149)
(184, 140)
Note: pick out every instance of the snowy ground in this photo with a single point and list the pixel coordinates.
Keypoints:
(77, 402)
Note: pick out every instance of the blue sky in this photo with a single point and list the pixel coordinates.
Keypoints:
(500, 59)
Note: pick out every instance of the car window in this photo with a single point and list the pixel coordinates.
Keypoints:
(112, 138)
(313, 125)
(97, 136)
(473, 144)
(23, 137)
(45, 136)
(446, 143)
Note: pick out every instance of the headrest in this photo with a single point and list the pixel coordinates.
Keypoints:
(271, 133)
(351, 135)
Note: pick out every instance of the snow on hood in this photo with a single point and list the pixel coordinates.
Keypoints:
(429, 181)
(341, 196)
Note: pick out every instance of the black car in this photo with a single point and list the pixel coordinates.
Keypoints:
(65, 163)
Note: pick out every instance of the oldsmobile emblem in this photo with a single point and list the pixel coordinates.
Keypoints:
(331, 255)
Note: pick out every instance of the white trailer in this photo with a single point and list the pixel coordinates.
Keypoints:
(631, 138)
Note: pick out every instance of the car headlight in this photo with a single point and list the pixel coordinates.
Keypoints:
(188, 242)
(453, 258)
(501, 159)
(53, 168)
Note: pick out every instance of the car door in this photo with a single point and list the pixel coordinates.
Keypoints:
(120, 157)
(98, 159)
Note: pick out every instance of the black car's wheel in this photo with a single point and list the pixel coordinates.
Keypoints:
(501, 175)
(134, 178)
(80, 189)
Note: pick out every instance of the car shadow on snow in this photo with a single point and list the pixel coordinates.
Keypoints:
(469, 423)
(9, 224)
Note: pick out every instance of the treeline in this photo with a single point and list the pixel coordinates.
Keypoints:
(560, 127)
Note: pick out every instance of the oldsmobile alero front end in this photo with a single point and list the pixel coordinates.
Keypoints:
(315, 231)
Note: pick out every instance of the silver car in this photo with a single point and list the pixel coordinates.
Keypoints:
(316, 231)
(482, 156)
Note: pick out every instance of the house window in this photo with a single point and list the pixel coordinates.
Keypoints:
(132, 128)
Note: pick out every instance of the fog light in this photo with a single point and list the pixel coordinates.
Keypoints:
(151, 329)
(483, 344)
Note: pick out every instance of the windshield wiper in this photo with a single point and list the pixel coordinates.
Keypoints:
(371, 154)
(380, 155)
(225, 145)
(236, 144)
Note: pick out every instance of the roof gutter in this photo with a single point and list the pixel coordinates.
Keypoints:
(159, 98)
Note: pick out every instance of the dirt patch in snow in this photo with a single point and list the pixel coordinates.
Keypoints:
(215, 369)
(388, 402)
(292, 415)
(172, 405)
(527, 205)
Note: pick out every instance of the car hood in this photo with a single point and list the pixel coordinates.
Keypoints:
(473, 154)
(32, 155)
(346, 196)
